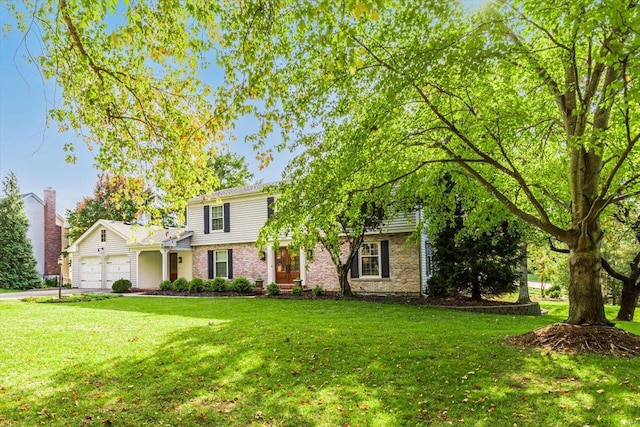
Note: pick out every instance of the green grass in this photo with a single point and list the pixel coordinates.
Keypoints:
(6, 291)
(139, 361)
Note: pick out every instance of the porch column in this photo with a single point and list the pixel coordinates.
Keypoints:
(165, 265)
(303, 266)
(271, 265)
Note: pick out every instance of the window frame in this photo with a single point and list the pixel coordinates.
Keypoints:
(212, 217)
(378, 256)
(216, 261)
(103, 235)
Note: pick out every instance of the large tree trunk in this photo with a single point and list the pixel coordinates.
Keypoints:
(343, 277)
(629, 300)
(475, 292)
(586, 305)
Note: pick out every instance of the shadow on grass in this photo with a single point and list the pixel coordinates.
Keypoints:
(330, 363)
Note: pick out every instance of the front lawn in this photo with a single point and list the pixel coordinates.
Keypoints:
(138, 361)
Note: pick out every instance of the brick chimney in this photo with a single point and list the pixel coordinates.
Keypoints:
(52, 234)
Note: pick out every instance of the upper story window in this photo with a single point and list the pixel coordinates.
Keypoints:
(370, 259)
(103, 235)
(217, 217)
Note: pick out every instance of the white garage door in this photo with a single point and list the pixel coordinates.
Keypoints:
(118, 267)
(90, 272)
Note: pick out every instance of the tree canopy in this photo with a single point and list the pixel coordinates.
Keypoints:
(536, 101)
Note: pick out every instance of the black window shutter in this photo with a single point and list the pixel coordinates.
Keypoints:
(269, 207)
(210, 265)
(384, 254)
(225, 209)
(207, 219)
(355, 263)
(230, 263)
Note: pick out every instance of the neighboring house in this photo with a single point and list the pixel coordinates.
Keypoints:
(144, 254)
(47, 232)
(226, 224)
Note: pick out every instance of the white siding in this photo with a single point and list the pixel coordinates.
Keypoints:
(150, 270)
(88, 249)
(246, 216)
(34, 210)
(400, 224)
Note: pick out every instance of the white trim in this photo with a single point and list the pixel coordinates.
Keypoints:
(379, 256)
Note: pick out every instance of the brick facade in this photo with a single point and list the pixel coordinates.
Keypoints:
(52, 234)
(246, 261)
(404, 266)
(404, 269)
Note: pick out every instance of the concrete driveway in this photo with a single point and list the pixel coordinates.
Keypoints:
(48, 291)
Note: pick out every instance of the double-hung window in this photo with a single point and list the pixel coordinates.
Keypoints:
(217, 217)
(221, 264)
(370, 259)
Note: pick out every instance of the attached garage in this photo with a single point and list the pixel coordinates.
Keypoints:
(91, 272)
(118, 267)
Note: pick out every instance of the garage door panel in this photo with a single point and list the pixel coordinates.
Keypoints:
(118, 268)
(90, 272)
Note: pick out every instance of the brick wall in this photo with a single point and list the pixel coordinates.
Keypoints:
(404, 269)
(52, 234)
(246, 261)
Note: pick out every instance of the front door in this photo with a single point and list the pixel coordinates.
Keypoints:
(287, 265)
(173, 266)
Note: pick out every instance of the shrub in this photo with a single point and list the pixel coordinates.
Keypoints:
(554, 291)
(51, 282)
(273, 289)
(296, 291)
(219, 284)
(241, 285)
(317, 291)
(181, 285)
(196, 285)
(121, 286)
(166, 285)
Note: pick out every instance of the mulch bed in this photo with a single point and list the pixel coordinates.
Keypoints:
(573, 339)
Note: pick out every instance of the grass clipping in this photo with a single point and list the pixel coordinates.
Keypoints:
(574, 339)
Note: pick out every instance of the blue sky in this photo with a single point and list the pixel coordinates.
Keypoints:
(34, 151)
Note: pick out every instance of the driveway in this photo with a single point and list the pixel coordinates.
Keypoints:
(48, 291)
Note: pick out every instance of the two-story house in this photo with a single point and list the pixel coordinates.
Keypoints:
(219, 240)
(226, 224)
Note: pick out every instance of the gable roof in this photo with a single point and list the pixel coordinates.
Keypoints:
(136, 234)
(233, 192)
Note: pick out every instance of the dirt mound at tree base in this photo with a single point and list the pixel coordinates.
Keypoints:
(573, 339)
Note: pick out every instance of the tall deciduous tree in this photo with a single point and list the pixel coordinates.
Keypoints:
(114, 198)
(231, 169)
(315, 204)
(129, 74)
(17, 262)
(535, 100)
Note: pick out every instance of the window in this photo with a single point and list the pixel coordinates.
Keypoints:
(370, 259)
(217, 218)
(103, 235)
(221, 264)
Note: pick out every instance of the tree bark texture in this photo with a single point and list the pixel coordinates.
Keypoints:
(629, 300)
(523, 294)
(586, 304)
(343, 276)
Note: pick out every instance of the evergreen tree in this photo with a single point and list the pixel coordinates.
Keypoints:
(17, 262)
(479, 264)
